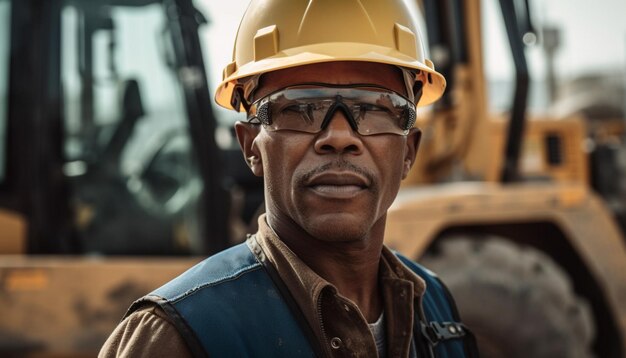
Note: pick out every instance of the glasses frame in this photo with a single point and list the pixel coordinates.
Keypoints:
(259, 110)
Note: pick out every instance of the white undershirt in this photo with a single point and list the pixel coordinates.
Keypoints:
(378, 330)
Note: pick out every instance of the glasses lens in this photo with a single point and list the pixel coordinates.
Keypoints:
(305, 108)
(298, 109)
(380, 112)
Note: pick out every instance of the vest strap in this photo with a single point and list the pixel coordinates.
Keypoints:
(436, 332)
(469, 342)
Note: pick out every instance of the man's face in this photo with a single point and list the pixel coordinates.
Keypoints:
(336, 185)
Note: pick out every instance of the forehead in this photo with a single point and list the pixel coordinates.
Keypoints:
(388, 76)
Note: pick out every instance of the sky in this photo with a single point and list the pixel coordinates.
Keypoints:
(596, 35)
(593, 36)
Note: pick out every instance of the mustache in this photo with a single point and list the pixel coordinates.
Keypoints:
(340, 164)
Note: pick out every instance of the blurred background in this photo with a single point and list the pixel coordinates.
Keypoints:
(118, 172)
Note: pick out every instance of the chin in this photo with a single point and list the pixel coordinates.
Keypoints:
(338, 228)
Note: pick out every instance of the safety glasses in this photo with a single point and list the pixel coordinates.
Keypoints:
(309, 108)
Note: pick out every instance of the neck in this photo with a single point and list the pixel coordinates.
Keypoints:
(351, 266)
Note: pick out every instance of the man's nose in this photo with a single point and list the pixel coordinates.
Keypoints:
(339, 137)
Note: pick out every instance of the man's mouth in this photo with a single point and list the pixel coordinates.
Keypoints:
(340, 184)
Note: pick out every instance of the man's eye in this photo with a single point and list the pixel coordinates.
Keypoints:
(303, 111)
(370, 109)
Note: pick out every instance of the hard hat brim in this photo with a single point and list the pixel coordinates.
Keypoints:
(434, 85)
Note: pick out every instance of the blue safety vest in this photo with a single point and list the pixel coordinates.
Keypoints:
(232, 305)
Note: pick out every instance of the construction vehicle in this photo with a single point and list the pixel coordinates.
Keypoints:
(116, 117)
(105, 122)
(502, 206)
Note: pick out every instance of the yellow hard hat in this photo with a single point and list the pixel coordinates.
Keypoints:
(278, 34)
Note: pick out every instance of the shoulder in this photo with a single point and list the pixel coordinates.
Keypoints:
(222, 306)
(431, 279)
(222, 267)
(196, 300)
(437, 299)
(147, 332)
(418, 269)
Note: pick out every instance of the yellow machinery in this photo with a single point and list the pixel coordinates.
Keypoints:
(103, 105)
(534, 258)
(502, 209)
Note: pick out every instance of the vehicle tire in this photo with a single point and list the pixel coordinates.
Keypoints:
(516, 300)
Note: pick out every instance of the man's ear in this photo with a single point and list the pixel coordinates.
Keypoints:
(246, 135)
(412, 144)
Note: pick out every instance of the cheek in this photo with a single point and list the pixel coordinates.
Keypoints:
(282, 154)
(390, 159)
(393, 178)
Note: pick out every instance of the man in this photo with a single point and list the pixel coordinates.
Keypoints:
(330, 88)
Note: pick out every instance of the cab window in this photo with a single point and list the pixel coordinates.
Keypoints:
(129, 158)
